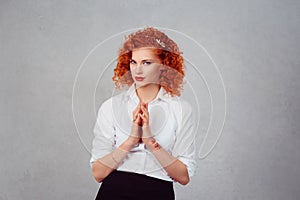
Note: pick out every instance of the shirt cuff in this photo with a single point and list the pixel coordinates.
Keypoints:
(190, 165)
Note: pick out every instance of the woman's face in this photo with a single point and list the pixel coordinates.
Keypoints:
(145, 67)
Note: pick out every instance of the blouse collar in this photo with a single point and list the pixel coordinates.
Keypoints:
(161, 95)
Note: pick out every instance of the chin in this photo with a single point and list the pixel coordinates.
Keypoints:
(139, 84)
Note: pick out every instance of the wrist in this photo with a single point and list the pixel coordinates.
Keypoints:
(147, 140)
(151, 144)
(128, 144)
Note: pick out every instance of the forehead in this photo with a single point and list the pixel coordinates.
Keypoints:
(144, 53)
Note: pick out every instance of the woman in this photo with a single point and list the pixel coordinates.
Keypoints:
(144, 137)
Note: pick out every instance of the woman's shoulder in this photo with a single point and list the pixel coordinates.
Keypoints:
(180, 103)
(181, 108)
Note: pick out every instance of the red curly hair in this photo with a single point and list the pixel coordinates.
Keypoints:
(171, 78)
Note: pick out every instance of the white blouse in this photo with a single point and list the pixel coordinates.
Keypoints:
(171, 121)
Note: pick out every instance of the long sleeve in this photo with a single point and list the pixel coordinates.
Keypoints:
(104, 132)
(184, 147)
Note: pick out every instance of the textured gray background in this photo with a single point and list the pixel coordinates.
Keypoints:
(255, 44)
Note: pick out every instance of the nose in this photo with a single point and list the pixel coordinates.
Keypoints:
(139, 69)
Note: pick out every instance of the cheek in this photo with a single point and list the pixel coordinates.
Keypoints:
(131, 70)
(153, 71)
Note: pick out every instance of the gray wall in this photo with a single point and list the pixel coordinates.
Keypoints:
(254, 43)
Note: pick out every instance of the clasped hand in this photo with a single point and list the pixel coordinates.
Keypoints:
(140, 128)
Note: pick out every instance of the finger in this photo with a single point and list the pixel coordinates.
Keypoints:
(145, 112)
(135, 116)
(145, 120)
(138, 120)
(141, 116)
(138, 107)
(136, 111)
(145, 104)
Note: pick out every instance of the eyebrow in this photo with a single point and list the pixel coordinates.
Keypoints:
(145, 60)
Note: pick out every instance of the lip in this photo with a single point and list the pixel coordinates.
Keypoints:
(137, 78)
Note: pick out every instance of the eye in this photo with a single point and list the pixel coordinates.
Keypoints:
(132, 62)
(147, 63)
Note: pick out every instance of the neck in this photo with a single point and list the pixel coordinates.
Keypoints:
(148, 92)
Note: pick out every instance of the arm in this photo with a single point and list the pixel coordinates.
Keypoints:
(174, 167)
(179, 166)
(107, 163)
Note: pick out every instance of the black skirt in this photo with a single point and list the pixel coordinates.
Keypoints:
(120, 185)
